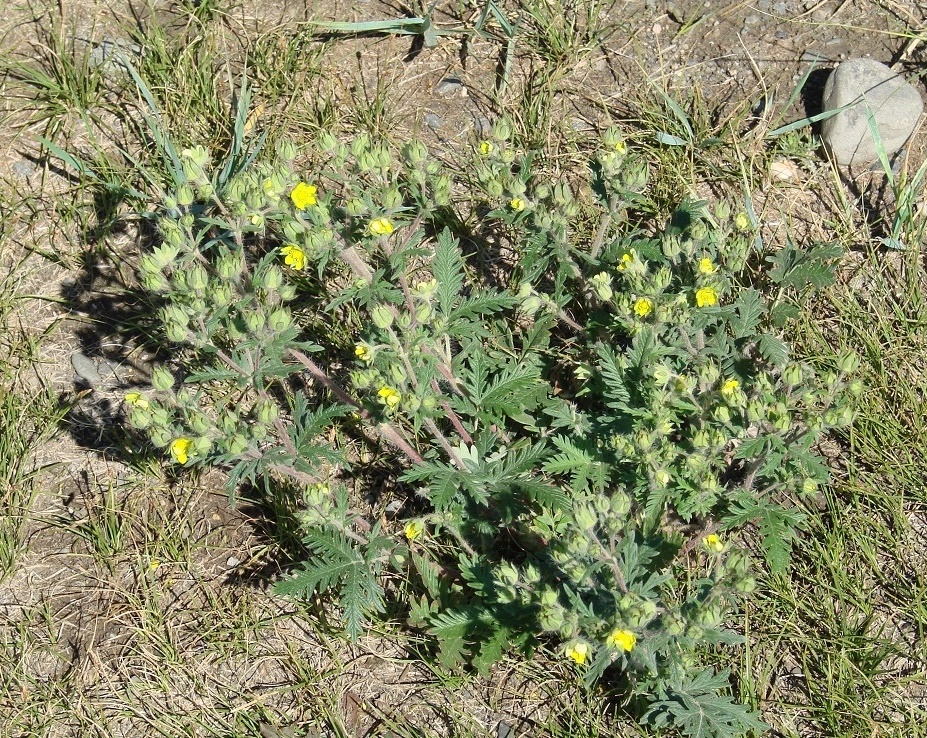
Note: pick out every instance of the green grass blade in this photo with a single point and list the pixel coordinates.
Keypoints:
(397, 25)
(83, 169)
(678, 113)
(153, 120)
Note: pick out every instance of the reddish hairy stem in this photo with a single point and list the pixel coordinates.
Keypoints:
(387, 432)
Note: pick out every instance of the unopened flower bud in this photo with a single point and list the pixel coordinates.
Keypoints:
(280, 319)
(139, 418)
(620, 504)
(397, 373)
(415, 152)
(266, 411)
(382, 316)
(254, 320)
(237, 444)
(273, 278)
(698, 231)
(184, 195)
(392, 198)
(175, 323)
(792, 375)
(199, 423)
(161, 379)
(423, 313)
(501, 130)
(585, 517)
(197, 278)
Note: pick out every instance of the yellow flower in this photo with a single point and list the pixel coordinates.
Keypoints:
(643, 306)
(135, 399)
(741, 221)
(517, 204)
(706, 266)
(485, 148)
(303, 195)
(153, 565)
(713, 543)
(626, 261)
(706, 297)
(180, 449)
(362, 351)
(294, 256)
(257, 220)
(579, 652)
(729, 388)
(414, 530)
(389, 396)
(623, 639)
(381, 227)
(620, 147)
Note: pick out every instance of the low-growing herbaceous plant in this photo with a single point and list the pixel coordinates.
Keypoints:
(573, 408)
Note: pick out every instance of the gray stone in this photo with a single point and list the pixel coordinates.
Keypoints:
(451, 86)
(23, 168)
(505, 730)
(433, 121)
(94, 373)
(482, 125)
(86, 369)
(896, 107)
(111, 54)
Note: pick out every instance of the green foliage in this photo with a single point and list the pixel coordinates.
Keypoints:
(693, 705)
(350, 570)
(573, 420)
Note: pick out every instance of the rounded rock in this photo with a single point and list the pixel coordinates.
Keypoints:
(865, 85)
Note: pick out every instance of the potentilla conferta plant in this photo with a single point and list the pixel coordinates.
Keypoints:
(585, 410)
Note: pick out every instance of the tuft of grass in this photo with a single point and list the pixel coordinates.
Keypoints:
(28, 417)
(189, 82)
(57, 81)
(838, 644)
(564, 33)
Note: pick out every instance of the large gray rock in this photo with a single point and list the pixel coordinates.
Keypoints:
(896, 107)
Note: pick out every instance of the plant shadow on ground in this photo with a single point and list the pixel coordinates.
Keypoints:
(111, 343)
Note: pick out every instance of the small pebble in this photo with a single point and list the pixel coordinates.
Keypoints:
(23, 168)
(113, 53)
(783, 171)
(433, 121)
(813, 56)
(451, 86)
(482, 125)
(86, 369)
(232, 562)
